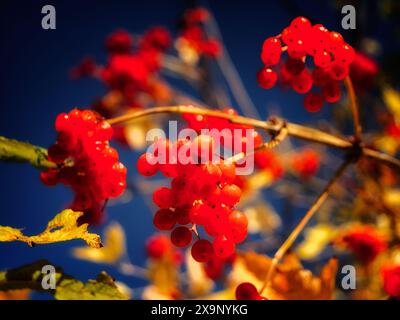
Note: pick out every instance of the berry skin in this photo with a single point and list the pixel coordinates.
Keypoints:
(297, 49)
(313, 102)
(181, 237)
(319, 77)
(338, 71)
(322, 59)
(294, 66)
(230, 195)
(246, 291)
(266, 78)
(144, 165)
(302, 83)
(202, 250)
(164, 219)
(300, 24)
(163, 197)
(271, 51)
(223, 247)
(331, 91)
(345, 54)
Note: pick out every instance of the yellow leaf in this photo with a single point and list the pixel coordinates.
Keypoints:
(163, 274)
(112, 251)
(316, 239)
(392, 101)
(387, 144)
(62, 227)
(391, 197)
(289, 281)
(198, 282)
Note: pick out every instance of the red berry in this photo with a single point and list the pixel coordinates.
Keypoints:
(344, 54)
(164, 219)
(181, 237)
(147, 165)
(319, 77)
(297, 49)
(300, 24)
(163, 197)
(338, 71)
(266, 78)
(331, 91)
(223, 247)
(322, 59)
(294, 66)
(246, 291)
(202, 250)
(158, 246)
(313, 102)
(230, 195)
(302, 83)
(271, 51)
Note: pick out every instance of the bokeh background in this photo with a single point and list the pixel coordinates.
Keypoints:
(35, 86)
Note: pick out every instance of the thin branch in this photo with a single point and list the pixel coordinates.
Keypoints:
(303, 222)
(354, 108)
(293, 130)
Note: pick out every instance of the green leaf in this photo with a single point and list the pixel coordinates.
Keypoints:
(67, 288)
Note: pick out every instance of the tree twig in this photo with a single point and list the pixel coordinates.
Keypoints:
(303, 222)
(354, 108)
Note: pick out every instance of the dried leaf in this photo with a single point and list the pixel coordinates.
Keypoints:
(112, 251)
(62, 227)
(316, 239)
(289, 281)
(20, 294)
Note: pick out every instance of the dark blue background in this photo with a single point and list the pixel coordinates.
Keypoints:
(35, 87)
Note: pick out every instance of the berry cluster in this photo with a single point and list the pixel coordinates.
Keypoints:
(200, 194)
(193, 37)
(131, 74)
(247, 291)
(331, 57)
(85, 160)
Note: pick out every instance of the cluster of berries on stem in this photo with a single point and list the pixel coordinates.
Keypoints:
(86, 162)
(331, 57)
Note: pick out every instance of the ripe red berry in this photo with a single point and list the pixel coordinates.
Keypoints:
(271, 51)
(313, 102)
(164, 219)
(300, 24)
(230, 195)
(147, 165)
(163, 197)
(181, 237)
(331, 91)
(344, 54)
(158, 246)
(246, 291)
(302, 83)
(266, 78)
(223, 247)
(391, 280)
(338, 71)
(202, 250)
(297, 49)
(322, 59)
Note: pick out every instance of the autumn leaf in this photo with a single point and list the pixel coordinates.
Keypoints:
(63, 227)
(30, 277)
(315, 240)
(112, 251)
(290, 280)
(392, 101)
(21, 294)
(198, 282)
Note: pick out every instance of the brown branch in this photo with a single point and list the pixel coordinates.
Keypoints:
(354, 108)
(303, 222)
(293, 130)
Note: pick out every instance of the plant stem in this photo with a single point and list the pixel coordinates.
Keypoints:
(294, 130)
(354, 108)
(303, 222)
(13, 150)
